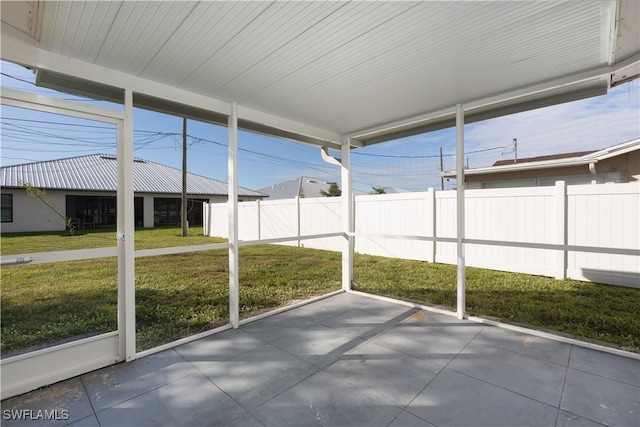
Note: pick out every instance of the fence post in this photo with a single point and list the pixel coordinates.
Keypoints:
(431, 207)
(297, 198)
(259, 220)
(560, 236)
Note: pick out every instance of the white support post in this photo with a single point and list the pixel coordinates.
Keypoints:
(125, 235)
(431, 209)
(561, 229)
(347, 215)
(460, 211)
(232, 205)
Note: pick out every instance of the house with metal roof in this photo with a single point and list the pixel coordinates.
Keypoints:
(615, 164)
(84, 188)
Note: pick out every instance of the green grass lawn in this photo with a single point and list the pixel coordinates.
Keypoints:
(182, 294)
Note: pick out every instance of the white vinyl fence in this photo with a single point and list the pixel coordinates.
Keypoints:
(511, 229)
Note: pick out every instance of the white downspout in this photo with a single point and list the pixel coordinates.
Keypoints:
(347, 208)
(592, 169)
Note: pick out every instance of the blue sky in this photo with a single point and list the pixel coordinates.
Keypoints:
(411, 163)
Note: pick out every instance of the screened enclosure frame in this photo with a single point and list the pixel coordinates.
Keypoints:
(380, 108)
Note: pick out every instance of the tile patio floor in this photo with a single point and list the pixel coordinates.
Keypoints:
(353, 360)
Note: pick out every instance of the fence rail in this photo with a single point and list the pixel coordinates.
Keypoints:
(583, 232)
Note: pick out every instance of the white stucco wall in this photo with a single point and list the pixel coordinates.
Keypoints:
(147, 208)
(30, 214)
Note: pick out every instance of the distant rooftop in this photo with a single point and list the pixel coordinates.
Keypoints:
(553, 160)
(542, 158)
(302, 186)
(99, 172)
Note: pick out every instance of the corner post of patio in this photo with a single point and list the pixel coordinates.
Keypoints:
(460, 211)
(125, 233)
(232, 205)
(347, 214)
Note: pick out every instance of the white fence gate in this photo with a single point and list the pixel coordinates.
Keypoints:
(596, 226)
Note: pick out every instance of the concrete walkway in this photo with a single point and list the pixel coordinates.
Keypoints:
(351, 360)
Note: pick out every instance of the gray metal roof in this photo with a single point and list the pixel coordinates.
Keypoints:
(303, 186)
(99, 172)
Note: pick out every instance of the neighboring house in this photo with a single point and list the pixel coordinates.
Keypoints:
(84, 188)
(303, 186)
(619, 163)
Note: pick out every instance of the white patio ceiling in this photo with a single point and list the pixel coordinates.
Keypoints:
(317, 71)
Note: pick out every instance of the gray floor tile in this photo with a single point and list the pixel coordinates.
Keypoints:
(90, 421)
(395, 377)
(406, 419)
(275, 327)
(218, 347)
(526, 344)
(329, 307)
(109, 386)
(367, 323)
(454, 399)
(441, 322)
(386, 308)
(319, 344)
(427, 343)
(57, 405)
(601, 399)
(533, 378)
(604, 364)
(325, 400)
(190, 401)
(567, 419)
(246, 420)
(255, 377)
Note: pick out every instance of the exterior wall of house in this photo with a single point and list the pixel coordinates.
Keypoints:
(30, 214)
(618, 169)
(634, 166)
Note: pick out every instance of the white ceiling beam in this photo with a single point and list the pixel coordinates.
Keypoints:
(596, 76)
(19, 48)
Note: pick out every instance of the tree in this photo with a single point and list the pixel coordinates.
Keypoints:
(378, 190)
(41, 195)
(334, 190)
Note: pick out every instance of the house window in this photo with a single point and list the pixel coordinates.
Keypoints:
(6, 207)
(166, 211)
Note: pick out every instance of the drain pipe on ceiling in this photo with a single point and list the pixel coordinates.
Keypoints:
(348, 220)
(324, 152)
(592, 169)
(460, 212)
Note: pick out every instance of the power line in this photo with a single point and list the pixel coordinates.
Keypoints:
(428, 156)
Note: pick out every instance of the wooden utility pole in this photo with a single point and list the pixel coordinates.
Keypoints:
(183, 207)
